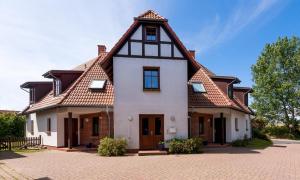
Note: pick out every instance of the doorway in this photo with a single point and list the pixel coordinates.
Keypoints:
(151, 131)
(74, 138)
(220, 130)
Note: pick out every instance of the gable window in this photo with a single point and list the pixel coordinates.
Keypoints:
(32, 95)
(49, 126)
(236, 124)
(201, 125)
(230, 91)
(198, 87)
(97, 84)
(151, 78)
(57, 87)
(151, 33)
(95, 127)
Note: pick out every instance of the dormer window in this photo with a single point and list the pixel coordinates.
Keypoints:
(98, 84)
(32, 95)
(230, 91)
(57, 86)
(151, 34)
(198, 87)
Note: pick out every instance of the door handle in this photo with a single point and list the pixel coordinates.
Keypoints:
(151, 133)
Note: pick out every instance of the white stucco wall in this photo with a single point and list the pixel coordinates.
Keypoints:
(230, 115)
(40, 127)
(164, 36)
(137, 35)
(242, 119)
(131, 100)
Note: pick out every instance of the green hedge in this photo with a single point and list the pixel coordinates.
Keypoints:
(112, 147)
(185, 146)
(12, 124)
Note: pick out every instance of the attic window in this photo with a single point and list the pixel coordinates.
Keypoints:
(57, 87)
(151, 34)
(97, 84)
(198, 87)
(32, 95)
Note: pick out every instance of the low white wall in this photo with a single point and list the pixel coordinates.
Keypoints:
(242, 119)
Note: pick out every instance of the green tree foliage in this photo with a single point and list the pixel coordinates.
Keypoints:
(12, 124)
(277, 82)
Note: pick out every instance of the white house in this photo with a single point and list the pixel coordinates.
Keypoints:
(148, 88)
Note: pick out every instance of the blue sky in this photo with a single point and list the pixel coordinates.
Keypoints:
(228, 36)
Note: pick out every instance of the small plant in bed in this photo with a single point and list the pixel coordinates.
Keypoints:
(112, 147)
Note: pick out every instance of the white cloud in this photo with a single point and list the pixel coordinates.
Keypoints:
(37, 36)
(219, 30)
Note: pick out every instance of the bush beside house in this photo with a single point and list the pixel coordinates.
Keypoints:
(112, 147)
(185, 146)
(12, 124)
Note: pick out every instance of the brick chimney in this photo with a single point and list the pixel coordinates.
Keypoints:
(101, 49)
(192, 53)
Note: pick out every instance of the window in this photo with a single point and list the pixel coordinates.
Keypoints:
(49, 126)
(81, 123)
(151, 34)
(32, 95)
(246, 125)
(201, 125)
(236, 123)
(145, 126)
(198, 87)
(246, 99)
(97, 84)
(95, 126)
(57, 87)
(32, 127)
(158, 126)
(151, 78)
(230, 91)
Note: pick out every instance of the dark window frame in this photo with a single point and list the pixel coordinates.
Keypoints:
(158, 78)
(49, 126)
(236, 124)
(156, 33)
(201, 125)
(32, 95)
(95, 129)
(32, 127)
(230, 91)
(81, 123)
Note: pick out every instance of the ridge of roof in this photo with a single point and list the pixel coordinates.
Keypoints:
(150, 15)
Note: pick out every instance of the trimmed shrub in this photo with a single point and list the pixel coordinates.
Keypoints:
(112, 147)
(260, 135)
(240, 143)
(185, 146)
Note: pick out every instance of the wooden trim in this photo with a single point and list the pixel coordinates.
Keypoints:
(158, 39)
(158, 75)
(150, 57)
(172, 50)
(129, 48)
(143, 41)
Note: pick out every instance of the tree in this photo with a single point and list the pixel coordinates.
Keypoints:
(12, 124)
(277, 82)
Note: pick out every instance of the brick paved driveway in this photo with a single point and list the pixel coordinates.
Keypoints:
(225, 163)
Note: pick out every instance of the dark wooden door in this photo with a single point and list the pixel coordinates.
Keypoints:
(74, 131)
(220, 130)
(151, 131)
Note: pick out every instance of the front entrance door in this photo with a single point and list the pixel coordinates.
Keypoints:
(74, 131)
(151, 131)
(220, 130)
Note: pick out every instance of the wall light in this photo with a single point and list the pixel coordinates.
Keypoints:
(130, 118)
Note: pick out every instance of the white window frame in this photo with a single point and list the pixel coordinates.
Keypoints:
(57, 87)
(102, 86)
(198, 83)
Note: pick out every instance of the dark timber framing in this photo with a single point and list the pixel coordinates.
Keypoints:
(70, 138)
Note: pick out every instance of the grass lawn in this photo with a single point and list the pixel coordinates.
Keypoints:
(258, 143)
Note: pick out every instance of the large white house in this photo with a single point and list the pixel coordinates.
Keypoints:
(148, 88)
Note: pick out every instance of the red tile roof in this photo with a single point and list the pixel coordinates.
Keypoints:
(150, 14)
(79, 94)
